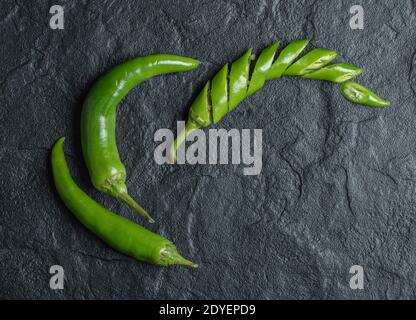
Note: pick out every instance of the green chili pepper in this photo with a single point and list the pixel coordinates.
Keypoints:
(339, 72)
(286, 58)
(98, 120)
(263, 64)
(200, 108)
(313, 60)
(357, 93)
(239, 79)
(118, 232)
(219, 94)
(226, 90)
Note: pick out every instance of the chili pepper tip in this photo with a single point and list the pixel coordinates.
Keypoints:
(125, 197)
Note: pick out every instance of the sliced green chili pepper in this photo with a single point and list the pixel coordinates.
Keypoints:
(239, 79)
(311, 61)
(200, 109)
(286, 58)
(312, 65)
(219, 94)
(339, 72)
(98, 120)
(118, 232)
(263, 64)
(357, 93)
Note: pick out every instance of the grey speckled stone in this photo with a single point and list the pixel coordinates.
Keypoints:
(338, 184)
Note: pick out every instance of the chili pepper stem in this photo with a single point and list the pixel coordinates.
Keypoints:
(189, 127)
(125, 197)
(169, 255)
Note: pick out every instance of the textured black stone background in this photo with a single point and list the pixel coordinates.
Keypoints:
(338, 183)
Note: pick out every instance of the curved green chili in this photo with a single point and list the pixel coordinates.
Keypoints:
(118, 232)
(231, 85)
(98, 120)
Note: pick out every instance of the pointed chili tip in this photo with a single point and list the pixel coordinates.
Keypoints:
(185, 262)
(125, 197)
(195, 62)
(169, 255)
(58, 145)
(60, 141)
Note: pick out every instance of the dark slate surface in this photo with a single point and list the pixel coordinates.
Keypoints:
(338, 184)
